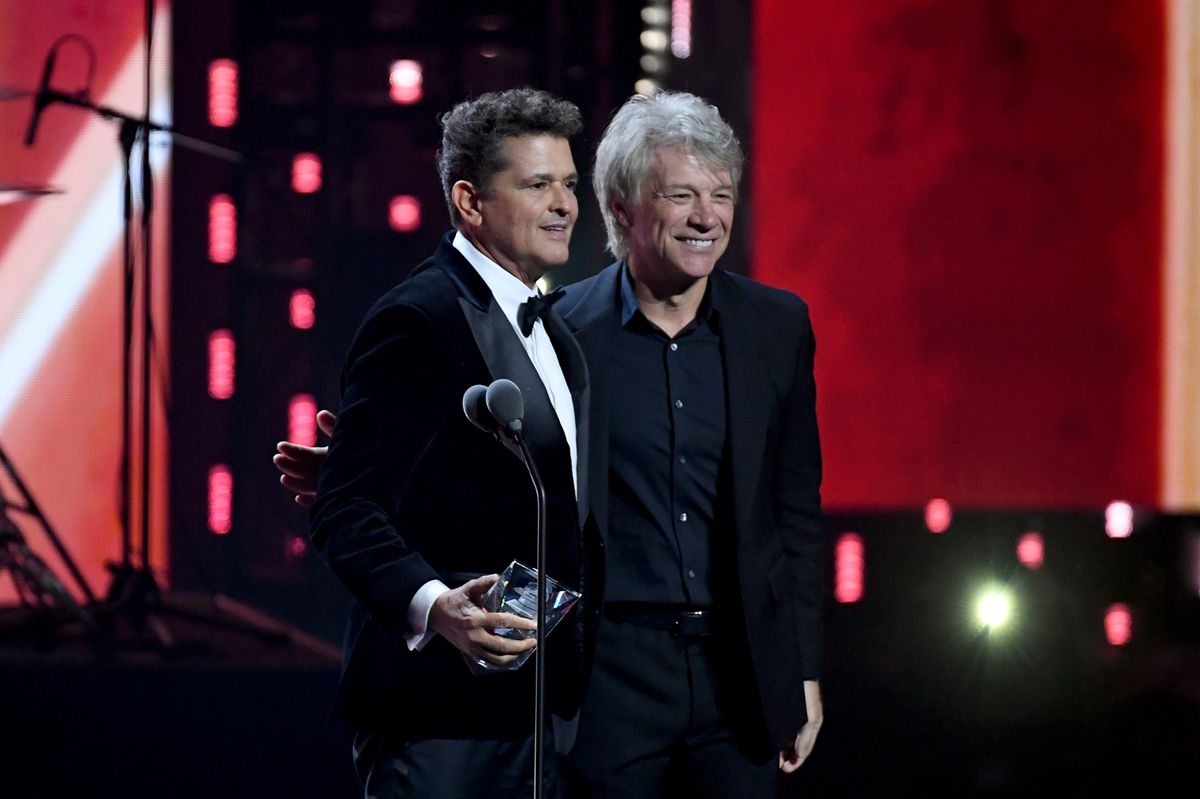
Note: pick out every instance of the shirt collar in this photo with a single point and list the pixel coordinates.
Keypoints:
(506, 287)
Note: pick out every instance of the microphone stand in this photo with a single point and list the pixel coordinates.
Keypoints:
(539, 700)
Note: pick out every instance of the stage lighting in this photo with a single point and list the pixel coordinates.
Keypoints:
(302, 309)
(306, 173)
(407, 81)
(1031, 551)
(222, 93)
(1118, 624)
(849, 567)
(1118, 520)
(404, 213)
(938, 515)
(302, 419)
(222, 229)
(222, 368)
(681, 28)
(993, 608)
(220, 499)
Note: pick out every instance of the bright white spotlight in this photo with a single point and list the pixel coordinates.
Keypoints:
(993, 608)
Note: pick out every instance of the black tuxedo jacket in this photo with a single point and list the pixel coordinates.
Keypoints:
(775, 463)
(412, 491)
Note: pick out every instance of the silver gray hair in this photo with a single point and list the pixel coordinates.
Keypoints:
(641, 126)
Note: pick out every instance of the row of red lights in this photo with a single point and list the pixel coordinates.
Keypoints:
(1118, 518)
(406, 86)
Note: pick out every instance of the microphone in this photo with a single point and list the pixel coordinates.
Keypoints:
(474, 403)
(506, 404)
(41, 100)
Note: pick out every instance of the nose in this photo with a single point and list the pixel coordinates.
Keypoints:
(704, 214)
(561, 200)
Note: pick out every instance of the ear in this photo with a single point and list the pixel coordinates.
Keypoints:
(621, 213)
(466, 199)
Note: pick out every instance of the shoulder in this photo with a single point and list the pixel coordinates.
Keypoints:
(740, 294)
(585, 293)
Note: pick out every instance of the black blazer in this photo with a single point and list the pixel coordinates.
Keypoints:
(775, 462)
(411, 491)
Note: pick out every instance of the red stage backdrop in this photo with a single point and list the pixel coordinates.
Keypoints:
(968, 195)
(60, 275)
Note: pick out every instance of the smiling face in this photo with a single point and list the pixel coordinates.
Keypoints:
(523, 221)
(681, 226)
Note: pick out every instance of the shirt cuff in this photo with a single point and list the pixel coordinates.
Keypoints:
(418, 614)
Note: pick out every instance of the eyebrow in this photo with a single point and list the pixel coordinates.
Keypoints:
(547, 176)
(690, 187)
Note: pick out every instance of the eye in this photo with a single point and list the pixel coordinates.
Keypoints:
(570, 185)
(723, 197)
(541, 184)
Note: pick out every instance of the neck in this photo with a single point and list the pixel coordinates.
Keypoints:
(670, 308)
(527, 275)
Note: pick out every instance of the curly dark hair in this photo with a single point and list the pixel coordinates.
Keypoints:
(473, 134)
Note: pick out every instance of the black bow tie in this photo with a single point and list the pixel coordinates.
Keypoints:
(535, 307)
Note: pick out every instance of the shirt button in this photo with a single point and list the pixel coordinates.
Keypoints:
(683, 517)
(674, 346)
(678, 403)
(683, 459)
(691, 573)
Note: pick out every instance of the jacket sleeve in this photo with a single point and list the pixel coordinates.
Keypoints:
(798, 502)
(395, 399)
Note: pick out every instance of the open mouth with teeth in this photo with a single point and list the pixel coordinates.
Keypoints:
(699, 242)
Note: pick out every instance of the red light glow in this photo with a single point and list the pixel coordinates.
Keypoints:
(938, 516)
(407, 82)
(220, 499)
(1118, 520)
(1031, 551)
(302, 309)
(681, 28)
(297, 546)
(222, 364)
(404, 213)
(849, 568)
(1118, 624)
(306, 173)
(302, 420)
(222, 93)
(222, 229)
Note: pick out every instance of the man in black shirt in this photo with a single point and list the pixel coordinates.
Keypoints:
(706, 472)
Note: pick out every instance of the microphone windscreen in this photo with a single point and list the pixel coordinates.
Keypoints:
(474, 403)
(505, 401)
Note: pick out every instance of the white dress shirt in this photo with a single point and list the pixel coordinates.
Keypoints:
(509, 292)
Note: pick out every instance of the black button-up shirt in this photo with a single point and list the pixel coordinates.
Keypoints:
(667, 441)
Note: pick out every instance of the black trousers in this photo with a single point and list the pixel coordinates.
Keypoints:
(454, 768)
(665, 717)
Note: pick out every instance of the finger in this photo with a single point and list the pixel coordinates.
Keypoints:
(494, 620)
(301, 453)
(292, 467)
(304, 500)
(479, 586)
(325, 421)
(298, 485)
(498, 645)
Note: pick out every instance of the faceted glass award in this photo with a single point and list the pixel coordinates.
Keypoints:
(516, 592)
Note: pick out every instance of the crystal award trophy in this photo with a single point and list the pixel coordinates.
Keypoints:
(516, 592)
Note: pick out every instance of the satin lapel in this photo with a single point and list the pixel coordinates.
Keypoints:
(575, 370)
(747, 392)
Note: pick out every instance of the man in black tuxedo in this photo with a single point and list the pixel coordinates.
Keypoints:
(705, 480)
(414, 504)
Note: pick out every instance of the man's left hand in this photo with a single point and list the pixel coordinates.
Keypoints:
(794, 756)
